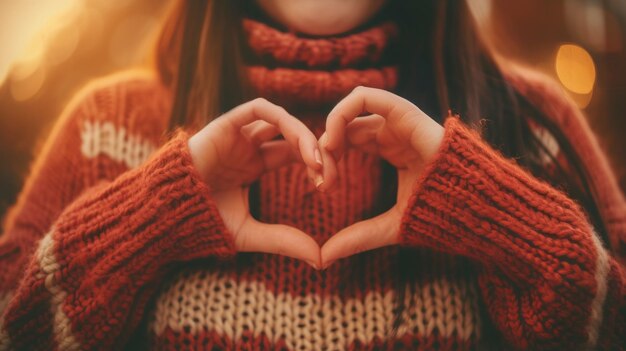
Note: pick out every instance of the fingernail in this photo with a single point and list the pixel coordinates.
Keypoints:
(318, 157)
(319, 180)
(327, 264)
(313, 264)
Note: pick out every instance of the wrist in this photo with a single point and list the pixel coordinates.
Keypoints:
(427, 139)
(202, 156)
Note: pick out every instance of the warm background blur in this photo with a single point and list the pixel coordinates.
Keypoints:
(50, 48)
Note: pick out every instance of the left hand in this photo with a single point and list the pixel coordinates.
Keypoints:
(401, 134)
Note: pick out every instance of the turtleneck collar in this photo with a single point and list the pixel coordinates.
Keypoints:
(313, 73)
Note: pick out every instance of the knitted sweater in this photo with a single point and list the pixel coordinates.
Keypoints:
(115, 241)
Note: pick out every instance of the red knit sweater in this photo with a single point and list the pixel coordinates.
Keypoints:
(115, 241)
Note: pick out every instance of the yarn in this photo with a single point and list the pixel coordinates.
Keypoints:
(116, 238)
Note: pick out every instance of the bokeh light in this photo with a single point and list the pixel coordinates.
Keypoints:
(18, 37)
(575, 68)
(50, 50)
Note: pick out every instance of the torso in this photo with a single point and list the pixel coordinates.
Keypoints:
(262, 302)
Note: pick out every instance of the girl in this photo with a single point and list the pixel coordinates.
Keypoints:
(417, 232)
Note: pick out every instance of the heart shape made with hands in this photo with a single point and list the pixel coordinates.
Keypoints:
(396, 130)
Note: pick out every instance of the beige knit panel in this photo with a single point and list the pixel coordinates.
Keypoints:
(597, 306)
(49, 267)
(210, 301)
(105, 138)
(552, 148)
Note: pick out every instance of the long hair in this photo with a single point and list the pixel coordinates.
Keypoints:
(199, 56)
(444, 65)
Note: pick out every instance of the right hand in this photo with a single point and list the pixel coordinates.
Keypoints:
(233, 151)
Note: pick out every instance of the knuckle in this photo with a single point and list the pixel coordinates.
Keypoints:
(281, 109)
(260, 101)
(258, 105)
(362, 90)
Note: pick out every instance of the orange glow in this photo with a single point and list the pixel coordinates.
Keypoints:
(24, 89)
(575, 69)
(27, 39)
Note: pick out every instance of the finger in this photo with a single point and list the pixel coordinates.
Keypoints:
(362, 132)
(362, 236)
(278, 153)
(362, 100)
(278, 239)
(294, 131)
(328, 179)
(260, 131)
(315, 177)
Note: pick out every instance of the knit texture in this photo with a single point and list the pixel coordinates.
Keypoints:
(115, 242)
(308, 74)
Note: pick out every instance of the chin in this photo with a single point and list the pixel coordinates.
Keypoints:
(322, 26)
(321, 17)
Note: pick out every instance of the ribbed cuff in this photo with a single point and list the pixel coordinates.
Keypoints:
(109, 250)
(159, 212)
(471, 201)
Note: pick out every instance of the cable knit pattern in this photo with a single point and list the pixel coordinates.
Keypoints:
(311, 73)
(366, 47)
(298, 89)
(116, 243)
(104, 138)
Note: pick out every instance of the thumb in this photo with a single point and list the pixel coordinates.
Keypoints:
(366, 235)
(279, 239)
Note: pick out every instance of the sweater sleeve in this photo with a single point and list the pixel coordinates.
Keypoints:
(56, 179)
(546, 279)
(87, 145)
(86, 285)
(109, 126)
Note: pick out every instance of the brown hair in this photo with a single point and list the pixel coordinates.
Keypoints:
(458, 73)
(195, 33)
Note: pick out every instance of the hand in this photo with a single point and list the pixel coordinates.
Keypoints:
(401, 134)
(233, 151)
